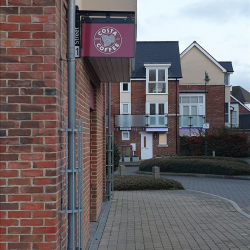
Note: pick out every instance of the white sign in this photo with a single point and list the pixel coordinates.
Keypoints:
(206, 125)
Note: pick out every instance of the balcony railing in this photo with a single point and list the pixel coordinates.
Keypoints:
(191, 121)
(141, 121)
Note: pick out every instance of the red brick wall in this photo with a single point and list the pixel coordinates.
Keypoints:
(215, 103)
(33, 109)
(138, 97)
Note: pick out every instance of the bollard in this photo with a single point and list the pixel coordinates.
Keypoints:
(121, 170)
(156, 172)
(213, 153)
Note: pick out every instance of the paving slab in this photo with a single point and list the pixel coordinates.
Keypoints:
(173, 220)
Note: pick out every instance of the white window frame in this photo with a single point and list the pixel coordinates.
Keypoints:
(200, 106)
(157, 67)
(163, 144)
(121, 108)
(157, 107)
(125, 91)
(124, 138)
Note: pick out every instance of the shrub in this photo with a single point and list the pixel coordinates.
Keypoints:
(198, 165)
(137, 182)
(225, 142)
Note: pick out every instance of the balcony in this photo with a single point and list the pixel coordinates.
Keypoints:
(148, 121)
(191, 121)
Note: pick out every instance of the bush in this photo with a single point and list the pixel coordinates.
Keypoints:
(198, 165)
(137, 182)
(225, 142)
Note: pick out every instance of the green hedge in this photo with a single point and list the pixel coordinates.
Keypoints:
(137, 182)
(202, 165)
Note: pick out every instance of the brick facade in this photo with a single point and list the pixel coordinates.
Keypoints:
(138, 100)
(33, 109)
(242, 109)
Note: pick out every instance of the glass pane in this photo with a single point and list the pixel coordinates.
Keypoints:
(125, 86)
(152, 120)
(226, 117)
(152, 88)
(161, 120)
(161, 109)
(200, 121)
(185, 99)
(125, 108)
(162, 139)
(184, 121)
(180, 100)
(201, 99)
(161, 88)
(194, 99)
(185, 110)
(152, 75)
(145, 141)
(194, 110)
(194, 121)
(152, 109)
(161, 74)
(125, 135)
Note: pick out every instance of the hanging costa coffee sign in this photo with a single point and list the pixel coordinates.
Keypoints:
(107, 40)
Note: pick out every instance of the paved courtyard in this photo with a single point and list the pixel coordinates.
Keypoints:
(232, 189)
(175, 220)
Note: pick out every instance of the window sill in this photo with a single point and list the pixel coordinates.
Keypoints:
(163, 146)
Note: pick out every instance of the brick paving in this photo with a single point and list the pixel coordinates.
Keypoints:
(173, 220)
(232, 189)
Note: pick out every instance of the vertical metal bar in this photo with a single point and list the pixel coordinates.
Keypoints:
(109, 141)
(79, 179)
(82, 190)
(113, 163)
(66, 184)
(71, 115)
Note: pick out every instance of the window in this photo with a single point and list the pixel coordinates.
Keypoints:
(192, 110)
(125, 135)
(226, 112)
(157, 78)
(125, 108)
(157, 114)
(227, 79)
(162, 139)
(125, 87)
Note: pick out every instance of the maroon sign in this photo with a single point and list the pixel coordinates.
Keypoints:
(107, 40)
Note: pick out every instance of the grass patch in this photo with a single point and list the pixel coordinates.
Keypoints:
(198, 165)
(136, 182)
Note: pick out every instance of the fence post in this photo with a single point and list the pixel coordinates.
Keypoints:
(121, 170)
(156, 172)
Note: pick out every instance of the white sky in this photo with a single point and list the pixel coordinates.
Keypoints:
(221, 27)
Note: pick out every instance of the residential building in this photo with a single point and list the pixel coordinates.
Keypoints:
(202, 102)
(35, 126)
(240, 107)
(146, 108)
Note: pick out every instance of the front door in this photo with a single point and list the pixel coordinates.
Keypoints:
(146, 146)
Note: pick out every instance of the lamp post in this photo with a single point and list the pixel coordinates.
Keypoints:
(205, 120)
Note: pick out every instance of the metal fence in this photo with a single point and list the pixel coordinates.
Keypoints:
(78, 204)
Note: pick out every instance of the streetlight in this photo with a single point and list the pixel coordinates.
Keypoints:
(205, 120)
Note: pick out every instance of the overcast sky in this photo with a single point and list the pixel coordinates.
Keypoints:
(221, 27)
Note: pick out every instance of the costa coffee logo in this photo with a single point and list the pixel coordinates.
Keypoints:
(107, 40)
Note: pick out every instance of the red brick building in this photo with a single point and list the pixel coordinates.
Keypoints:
(167, 97)
(34, 116)
(145, 110)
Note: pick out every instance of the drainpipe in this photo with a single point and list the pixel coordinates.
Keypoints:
(176, 116)
(109, 141)
(72, 125)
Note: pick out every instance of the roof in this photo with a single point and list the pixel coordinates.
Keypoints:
(241, 94)
(157, 53)
(237, 101)
(227, 65)
(224, 66)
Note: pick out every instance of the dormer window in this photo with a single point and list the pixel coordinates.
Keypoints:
(157, 78)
